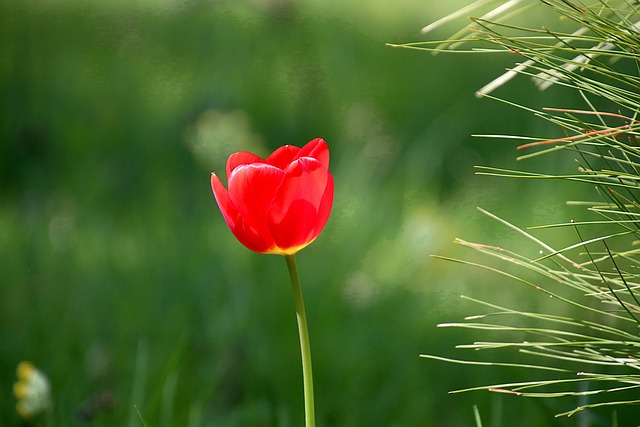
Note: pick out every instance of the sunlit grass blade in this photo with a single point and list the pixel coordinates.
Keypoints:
(591, 49)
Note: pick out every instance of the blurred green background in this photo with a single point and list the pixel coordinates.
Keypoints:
(118, 276)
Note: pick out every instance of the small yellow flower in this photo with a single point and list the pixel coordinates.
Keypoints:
(32, 391)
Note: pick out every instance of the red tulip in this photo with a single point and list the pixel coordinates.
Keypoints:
(280, 204)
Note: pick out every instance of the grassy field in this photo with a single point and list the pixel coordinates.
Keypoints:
(119, 278)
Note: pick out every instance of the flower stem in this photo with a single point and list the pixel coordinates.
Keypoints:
(305, 348)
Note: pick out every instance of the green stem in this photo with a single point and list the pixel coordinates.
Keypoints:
(305, 348)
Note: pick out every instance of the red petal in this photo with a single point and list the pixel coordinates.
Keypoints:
(325, 206)
(239, 159)
(252, 189)
(222, 197)
(245, 234)
(302, 204)
(317, 149)
(283, 156)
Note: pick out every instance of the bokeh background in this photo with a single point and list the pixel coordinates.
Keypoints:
(119, 278)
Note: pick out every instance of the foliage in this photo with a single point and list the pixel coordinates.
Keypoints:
(587, 345)
(120, 281)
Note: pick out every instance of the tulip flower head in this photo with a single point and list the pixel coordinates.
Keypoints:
(280, 204)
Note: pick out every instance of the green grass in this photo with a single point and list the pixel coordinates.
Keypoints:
(119, 276)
